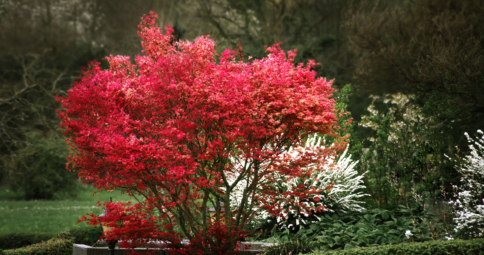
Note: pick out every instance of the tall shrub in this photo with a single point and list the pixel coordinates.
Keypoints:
(404, 157)
(176, 125)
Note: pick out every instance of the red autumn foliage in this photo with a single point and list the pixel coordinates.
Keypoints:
(182, 126)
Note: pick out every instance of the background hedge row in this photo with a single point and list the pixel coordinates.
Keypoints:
(441, 247)
(58, 245)
(86, 235)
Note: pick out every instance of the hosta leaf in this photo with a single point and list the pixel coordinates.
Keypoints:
(349, 246)
(393, 231)
(385, 215)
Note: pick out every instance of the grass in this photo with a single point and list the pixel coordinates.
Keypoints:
(41, 216)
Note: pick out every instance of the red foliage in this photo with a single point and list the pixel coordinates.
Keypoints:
(180, 129)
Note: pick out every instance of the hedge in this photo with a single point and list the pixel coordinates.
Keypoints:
(85, 235)
(17, 240)
(58, 245)
(441, 247)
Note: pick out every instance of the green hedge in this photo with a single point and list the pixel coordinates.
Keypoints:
(475, 246)
(85, 235)
(58, 245)
(17, 240)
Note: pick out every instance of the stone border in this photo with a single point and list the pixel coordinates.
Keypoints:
(245, 248)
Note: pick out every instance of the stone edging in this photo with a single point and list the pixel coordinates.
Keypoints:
(245, 248)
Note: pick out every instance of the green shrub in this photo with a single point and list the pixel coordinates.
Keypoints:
(364, 229)
(85, 235)
(38, 170)
(464, 247)
(291, 247)
(58, 245)
(404, 157)
(375, 227)
(17, 240)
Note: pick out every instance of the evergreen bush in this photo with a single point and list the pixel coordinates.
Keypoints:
(85, 235)
(58, 245)
(441, 247)
(17, 240)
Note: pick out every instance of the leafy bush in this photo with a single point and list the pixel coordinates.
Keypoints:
(38, 170)
(58, 245)
(17, 240)
(469, 205)
(404, 158)
(85, 235)
(441, 247)
(361, 229)
(289, 247)
(377, 227)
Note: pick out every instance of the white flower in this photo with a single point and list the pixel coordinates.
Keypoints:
(347, 188)
(396, 103)
(468, 205)
(408, 234)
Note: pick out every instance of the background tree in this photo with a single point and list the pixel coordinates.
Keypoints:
(430, 48)
(313, 27)
(35, 171)
(40, 43)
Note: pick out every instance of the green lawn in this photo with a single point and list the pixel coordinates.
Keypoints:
(50, 216)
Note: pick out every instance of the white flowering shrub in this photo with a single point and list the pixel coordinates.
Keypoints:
(340, 184)
(469, 205)
(402, 114)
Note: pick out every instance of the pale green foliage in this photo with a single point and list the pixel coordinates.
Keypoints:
(403, 158)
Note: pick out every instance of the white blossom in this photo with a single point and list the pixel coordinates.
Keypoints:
(400, 103)
(345, 193)
(469, 205)
(408, 234)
